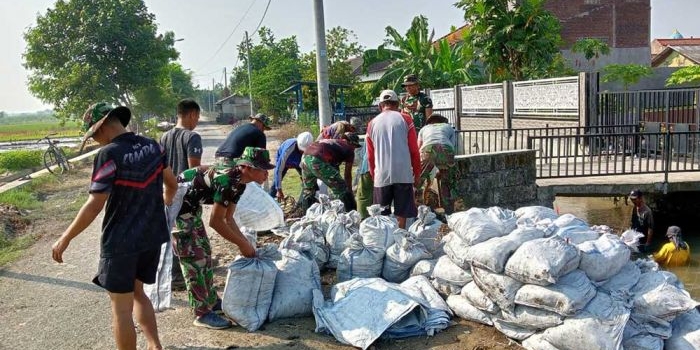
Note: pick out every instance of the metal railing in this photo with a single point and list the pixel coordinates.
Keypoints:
(601, 154)
(497, 140)
(668, 106)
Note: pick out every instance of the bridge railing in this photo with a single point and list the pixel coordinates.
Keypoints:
(600, 154)
(496, 140)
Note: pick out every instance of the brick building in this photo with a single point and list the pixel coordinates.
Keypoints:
(623, 24)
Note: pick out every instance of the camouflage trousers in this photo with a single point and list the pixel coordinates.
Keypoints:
(313, 168)
(191, 245)
(441, 157)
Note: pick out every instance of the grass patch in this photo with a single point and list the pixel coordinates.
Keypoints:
(37, 130)
(21, 198)
(21, 159)
(11, 249)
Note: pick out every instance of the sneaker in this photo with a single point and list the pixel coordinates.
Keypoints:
(212, 321)
(217, 307)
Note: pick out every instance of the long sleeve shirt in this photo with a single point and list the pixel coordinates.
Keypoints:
(391, 142)
(288, 156)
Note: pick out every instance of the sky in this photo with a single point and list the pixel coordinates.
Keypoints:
(211, 30)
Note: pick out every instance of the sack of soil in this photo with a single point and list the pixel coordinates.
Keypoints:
(249, 288)
(359, 260)
(426, 229)
(378, 230)
(297, 277)
(401, 256)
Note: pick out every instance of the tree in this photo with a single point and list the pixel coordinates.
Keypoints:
(160, 100)
(590, 48)
(83, 51)
(627, 74)
(685, 75)
(274, 65)
(513, 42)
(437, 65)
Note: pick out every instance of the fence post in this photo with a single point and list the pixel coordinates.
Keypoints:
(458, 106)
(582, 99)
(508, 107)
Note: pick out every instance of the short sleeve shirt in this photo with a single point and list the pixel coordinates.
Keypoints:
(180, 145)
(642, 219)
(210, 185)
(130, 170)
(415, 107)
(332, 151)
(246, 135)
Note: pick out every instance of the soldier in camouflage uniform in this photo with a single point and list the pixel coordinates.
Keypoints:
(415, 103)
(437, 150)
(321, 160)
(221, 185)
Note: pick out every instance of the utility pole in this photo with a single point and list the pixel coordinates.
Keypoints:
(324, 101)
(250, 75)
(212, 94)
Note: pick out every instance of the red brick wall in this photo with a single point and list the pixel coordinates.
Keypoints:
(580, 20)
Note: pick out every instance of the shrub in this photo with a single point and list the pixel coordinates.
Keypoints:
(21, 159)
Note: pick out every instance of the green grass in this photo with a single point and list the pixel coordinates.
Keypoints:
(11, 249)
(20, 159)
(37, 130)
(20, 197)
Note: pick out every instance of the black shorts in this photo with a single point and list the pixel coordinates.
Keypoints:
(403, 197)
(117, 274)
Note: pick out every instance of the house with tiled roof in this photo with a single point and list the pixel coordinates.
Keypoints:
(677, 51)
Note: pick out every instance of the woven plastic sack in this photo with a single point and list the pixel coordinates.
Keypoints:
(530, 216)
(660, 295)
(359, 260)
(479, 299)
(338, 234)
(331, 215)
(457, 250)
(448, 271)
(317, 209)
(378, 230)
(297, 277)
(542, 261)
(644, 332)
(249, 288)
(567, 297)
(686, 332)
(257, 210)
(424, 268)
(250, 235)
(306, 237)
(623, 281)
(494, 253)
(500, 289)
(532, 319)
(537, 342)
(603, 258)
(506, 216)
(631, 239)
(475, 226)
(512, 330)
(401, 256)
(427, 229)
(465, 310)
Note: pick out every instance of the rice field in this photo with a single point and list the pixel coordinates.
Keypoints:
(37, 130)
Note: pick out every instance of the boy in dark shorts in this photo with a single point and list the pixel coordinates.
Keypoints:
(221, 185)
(128, 176)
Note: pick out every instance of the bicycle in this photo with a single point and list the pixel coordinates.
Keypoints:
(55, 160)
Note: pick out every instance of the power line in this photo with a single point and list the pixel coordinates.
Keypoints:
(233, 31)
(263, 17)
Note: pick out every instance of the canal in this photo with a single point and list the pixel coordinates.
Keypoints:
(606, 211)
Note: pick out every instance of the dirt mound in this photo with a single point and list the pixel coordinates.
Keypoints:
(12, 221)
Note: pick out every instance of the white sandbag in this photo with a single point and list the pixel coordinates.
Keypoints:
(512, 330)
(463, 309)
(317, 209)
(569, 220)
(577, 234)
(427, 229)
(448, 271)
(598, 326)
(401, 256)
(631, 239)
(337, 235)
(529, 216)
(494, 253)
(445, 288)
(249, 288)
(297, 277)
(331, 215)
(542, 261)
(378, 230)
(506, 216)
(686, 332)
(567, 297)
(257, 210)
(475, 226)
(500, 289)
(644, 332)
(456, 249)
(478, 298)
(424, 268)
(537, 342)
(657, 294)
(623, 281)
(359, 260)
(438, 315)
(603, 258)
(306, 237)
(250, 235)
(531, 318)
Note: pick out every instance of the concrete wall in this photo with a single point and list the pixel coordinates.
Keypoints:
(505, 179)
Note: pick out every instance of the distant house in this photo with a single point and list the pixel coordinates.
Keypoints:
(675, 52)
(232, 109)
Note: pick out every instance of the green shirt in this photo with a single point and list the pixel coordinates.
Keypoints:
(415, 105)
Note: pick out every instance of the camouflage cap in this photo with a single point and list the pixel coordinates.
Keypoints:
(96, 114)
(352, 139)
(263, 119)
(410, 79)
(255, 157)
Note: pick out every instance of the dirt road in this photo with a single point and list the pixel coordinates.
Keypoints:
(45, 305)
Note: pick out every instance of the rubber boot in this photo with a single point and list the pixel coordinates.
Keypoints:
(306, 201)
(349, 201)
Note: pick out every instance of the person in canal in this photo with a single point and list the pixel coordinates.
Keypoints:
(676, 252)
(642, 220)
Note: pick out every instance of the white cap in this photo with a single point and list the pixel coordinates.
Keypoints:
(304, 140)
(388, 95)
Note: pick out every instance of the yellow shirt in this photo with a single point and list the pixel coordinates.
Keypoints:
(670, 257)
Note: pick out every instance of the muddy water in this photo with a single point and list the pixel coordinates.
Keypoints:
(605, 211)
